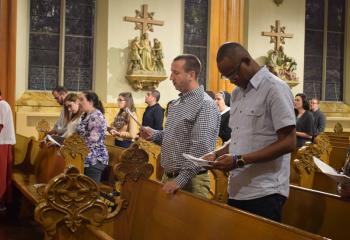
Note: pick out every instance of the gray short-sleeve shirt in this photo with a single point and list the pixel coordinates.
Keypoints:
(257, 112)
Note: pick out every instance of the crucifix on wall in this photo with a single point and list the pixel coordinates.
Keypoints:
(277, 61)
(144, 20)
(277, 34)
(145, 65)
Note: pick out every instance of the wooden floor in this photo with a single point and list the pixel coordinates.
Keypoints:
(14, 229)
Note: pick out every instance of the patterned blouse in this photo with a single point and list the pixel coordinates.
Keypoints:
(92, 128)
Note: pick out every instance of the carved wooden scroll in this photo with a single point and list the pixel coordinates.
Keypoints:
(42, 128)
(74, 151)
(303, 163)
(133, 163)
(72, 200)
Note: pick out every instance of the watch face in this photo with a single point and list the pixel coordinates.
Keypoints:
(240, 163)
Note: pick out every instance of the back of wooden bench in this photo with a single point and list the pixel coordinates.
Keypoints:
(153, 214)
(317, 212)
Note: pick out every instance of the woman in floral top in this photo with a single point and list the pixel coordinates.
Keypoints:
(92, 128)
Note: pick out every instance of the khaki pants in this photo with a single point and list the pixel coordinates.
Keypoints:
(199, 185)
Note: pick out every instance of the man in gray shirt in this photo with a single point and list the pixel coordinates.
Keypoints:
(262, 120)
(192, 127)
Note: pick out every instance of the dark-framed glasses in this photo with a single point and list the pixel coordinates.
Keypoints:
(233, 73)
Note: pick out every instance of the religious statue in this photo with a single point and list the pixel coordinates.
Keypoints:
(281, 65)
(157, 52)
(277, 61)
(135, 59)
(146, 53)
(145, 67)
(145, 58)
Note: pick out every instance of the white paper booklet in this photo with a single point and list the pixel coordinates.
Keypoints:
(331, 172)
(197, 161)
(50, 138)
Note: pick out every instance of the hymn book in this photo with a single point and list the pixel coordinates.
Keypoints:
(56, 140)
(331, 172)
(197, 161)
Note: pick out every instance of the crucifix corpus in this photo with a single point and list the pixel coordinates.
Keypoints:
(277, 61)
(145, 67)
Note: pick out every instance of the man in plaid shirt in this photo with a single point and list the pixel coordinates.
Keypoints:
(192, 127)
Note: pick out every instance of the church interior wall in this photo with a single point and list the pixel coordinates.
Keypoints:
(22, 51)
(120, 32)
(261, 15)
(112, 36)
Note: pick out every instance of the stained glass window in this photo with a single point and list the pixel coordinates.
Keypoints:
(324, 81)
(196, 33)
(46, 40)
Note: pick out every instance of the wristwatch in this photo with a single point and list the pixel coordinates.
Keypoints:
(239, 161)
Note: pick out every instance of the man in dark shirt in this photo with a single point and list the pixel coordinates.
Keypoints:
(319, 117)
(154, 114)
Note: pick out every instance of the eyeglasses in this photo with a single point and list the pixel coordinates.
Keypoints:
(120, 100)
(233, 73)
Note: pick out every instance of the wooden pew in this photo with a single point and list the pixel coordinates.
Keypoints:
(115, 153)
(340, 142)
(37, 163)
(305, 174)
(317, 212)
(146, 212)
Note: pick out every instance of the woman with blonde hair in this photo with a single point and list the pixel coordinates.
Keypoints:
(124, 129)
(72, 113)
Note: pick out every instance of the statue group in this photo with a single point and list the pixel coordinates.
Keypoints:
(145, 57)
(281, 65)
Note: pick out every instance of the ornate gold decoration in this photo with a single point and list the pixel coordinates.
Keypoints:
(146, 67)
(304, 165)
(277, 61)
(133, 163)
(43, 127)
(304, 158)
(72, 199)
(74, 151)
(153, 151)
(338, 128)
(322, 142)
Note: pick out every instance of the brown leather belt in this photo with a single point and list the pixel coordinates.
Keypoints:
(175, 174)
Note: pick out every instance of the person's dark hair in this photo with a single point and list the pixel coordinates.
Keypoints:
(60, 89)
(156, 94)
(231, 50)
(93, 97)
(304, 100)
(128, 100)
(192, 63)
(317, 100)
(211, 94)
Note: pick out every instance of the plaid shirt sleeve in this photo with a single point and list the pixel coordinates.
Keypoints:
(157, 136)
(203, 139)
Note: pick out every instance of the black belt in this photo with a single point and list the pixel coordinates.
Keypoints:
(175, 174)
